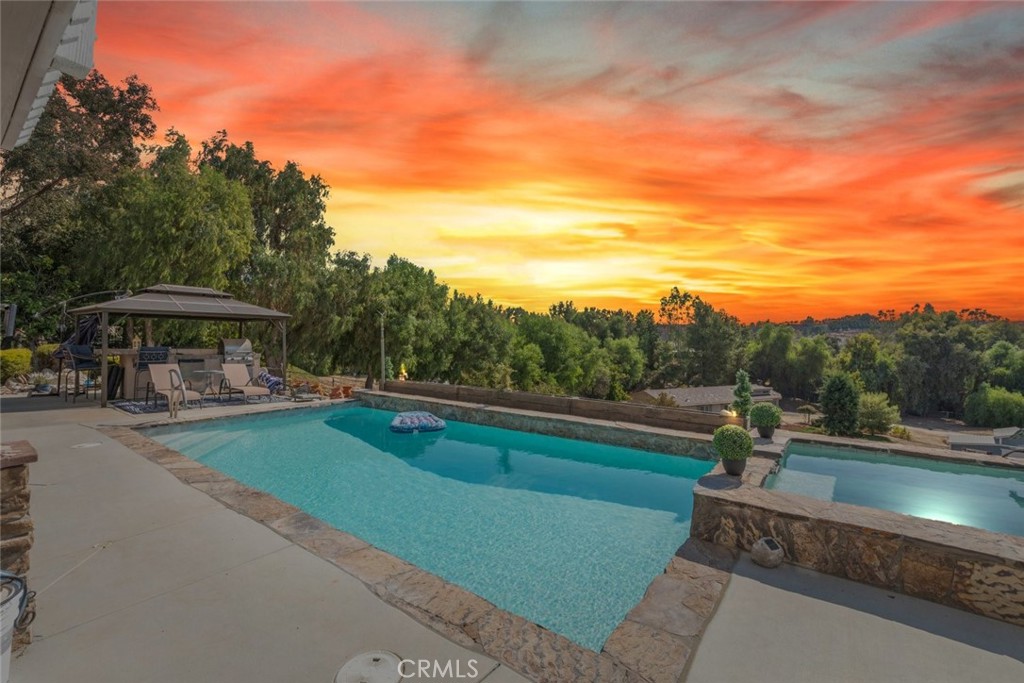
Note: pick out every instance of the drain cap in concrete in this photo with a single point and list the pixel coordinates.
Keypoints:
(378, 666)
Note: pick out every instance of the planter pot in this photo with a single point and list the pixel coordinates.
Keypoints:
(734, 467)
(766, 432)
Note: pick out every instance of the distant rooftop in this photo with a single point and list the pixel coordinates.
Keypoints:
(695, 397)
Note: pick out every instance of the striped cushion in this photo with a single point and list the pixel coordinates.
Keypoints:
(270, 382)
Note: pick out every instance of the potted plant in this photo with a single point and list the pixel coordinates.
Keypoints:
(733, 445)
(766, 417)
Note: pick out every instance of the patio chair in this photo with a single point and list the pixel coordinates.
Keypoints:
(167, 382)
(237, 381)
(79, 358)
(147, 356)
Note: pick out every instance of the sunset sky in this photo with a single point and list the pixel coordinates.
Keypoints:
(781, 160)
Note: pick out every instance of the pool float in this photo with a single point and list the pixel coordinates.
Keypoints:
(417, 421)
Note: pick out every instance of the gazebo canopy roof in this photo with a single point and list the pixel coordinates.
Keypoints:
(177, 301)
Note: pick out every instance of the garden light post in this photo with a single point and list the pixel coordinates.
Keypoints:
(382, 350)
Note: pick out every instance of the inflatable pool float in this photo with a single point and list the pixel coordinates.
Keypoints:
(417, 421)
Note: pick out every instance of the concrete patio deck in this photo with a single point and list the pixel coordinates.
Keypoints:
(144, 578)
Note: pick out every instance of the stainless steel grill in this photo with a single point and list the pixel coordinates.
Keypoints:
(236, 351)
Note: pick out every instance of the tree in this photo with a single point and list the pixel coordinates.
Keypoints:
(768, 355)
(876, 414)
(840, 404)
(478, 342)
(527, 363)
(647, 337)
(627, 363)
(86, 135)
(567, 351)
(165, 223)
(711, 338)
(1004, 365)
(702, 344)
(994, 407)
(675, 308)
(290, 253)
(940, 361)
(809, 359)
(742, 392)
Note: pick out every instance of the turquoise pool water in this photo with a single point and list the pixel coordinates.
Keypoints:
(974, 495)
(565, 533)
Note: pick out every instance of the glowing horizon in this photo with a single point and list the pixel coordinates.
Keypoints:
(781, 160)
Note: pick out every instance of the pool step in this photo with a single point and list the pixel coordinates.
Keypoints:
(199, 444)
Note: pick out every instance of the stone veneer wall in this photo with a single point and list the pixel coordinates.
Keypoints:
(695, 445)
(15, 522)
(970, 569)
(624, 411)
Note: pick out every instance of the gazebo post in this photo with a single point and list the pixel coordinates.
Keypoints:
(104, 346)
(284, 352)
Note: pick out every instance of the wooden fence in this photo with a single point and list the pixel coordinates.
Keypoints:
(613, 411)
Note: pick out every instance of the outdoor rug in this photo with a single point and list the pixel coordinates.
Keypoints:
(142, 408)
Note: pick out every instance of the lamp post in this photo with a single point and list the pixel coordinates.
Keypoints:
(382, 350)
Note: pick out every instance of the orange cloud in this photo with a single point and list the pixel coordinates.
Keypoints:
(782, 160)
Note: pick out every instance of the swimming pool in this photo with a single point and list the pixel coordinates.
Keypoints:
(565, 533)
(974, 495)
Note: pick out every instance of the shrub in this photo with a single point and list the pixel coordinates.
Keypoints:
(840, 403)
(900, 432)
(43, 358)
(994, 407)
(733, 442)
(665, 400)
(765, 414)
(742, 393)
(876, 414)
(14, 362)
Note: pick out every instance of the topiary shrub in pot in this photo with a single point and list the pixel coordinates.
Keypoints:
(766, 417)
(733, 445)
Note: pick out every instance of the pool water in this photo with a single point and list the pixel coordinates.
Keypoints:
(974, 495)
(565, 533)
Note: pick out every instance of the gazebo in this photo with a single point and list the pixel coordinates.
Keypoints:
(183, 303)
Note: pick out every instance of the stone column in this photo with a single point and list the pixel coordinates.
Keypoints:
(15, 521)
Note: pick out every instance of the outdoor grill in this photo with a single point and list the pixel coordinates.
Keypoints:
(236, 351)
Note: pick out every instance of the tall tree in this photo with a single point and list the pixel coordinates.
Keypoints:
(291, 247)
(89, 133)
(165, 223)
(647, 337)
(840, 404)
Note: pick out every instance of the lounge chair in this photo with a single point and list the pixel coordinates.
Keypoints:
(238, 381)
(148, 355)
(167, 382)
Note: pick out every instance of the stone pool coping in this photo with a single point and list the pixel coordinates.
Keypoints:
(960, 457)
(653, 644)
